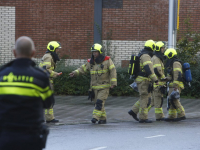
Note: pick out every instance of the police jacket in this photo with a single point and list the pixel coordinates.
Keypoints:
(175, 74)
(49, 64)
(146, 68)
(24, 92)
(158, 69)
(103, 75)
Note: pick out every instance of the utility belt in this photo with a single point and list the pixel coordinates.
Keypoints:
(41, 131)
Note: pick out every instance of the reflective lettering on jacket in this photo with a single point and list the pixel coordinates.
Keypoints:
(102, 75)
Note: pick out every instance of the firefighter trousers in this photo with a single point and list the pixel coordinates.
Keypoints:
(157, 102)
(176, 110)
(49, 112)
(99, 112)
(143, 104)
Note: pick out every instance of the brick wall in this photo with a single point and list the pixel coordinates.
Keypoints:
(71, 23)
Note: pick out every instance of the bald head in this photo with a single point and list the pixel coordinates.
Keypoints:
(24, 47)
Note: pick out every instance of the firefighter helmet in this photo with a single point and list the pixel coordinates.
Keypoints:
(53, 45)
(96, 47)
(150, 44)
(170, 52)
(159, 45)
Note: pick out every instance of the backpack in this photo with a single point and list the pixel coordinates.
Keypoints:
(134, 66)
(187, 76)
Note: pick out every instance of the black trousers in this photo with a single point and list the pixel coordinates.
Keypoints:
(19, 140)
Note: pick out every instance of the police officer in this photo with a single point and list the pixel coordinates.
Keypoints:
(144, 79)
(49, 63)
(174, 75)
(103, 77)
(24, 92)
(158, 90)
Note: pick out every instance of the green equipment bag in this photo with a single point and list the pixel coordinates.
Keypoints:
(134, 66)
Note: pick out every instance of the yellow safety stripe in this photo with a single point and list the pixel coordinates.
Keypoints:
(163, 76)
(177, 69)
(112, 66)
(149, 108)
(103, 114)
(152, 75)
(133, 66)
(163, 68)
(180, 110)
(101, 86)
(158, 110)
(51, 81)
(141, 65)
(97, 112)
(52, 73)
(180, 84)
(146, 62)
(77, 72)
(159, 84)
(45, 63)
(140, 78)
(99, 71)
(113, 79)
(24, 91)
(84, 68)
(137, 104)
(172, 111)
(52, 68)
(145, 110)
(156, 65)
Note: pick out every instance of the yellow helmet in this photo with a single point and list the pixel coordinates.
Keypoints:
(170, 53)
(150, 44)
(97, 47)
(53, 45)
(159, 45)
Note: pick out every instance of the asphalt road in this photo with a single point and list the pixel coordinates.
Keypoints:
(131, 135)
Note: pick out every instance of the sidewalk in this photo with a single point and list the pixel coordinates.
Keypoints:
(78, 109)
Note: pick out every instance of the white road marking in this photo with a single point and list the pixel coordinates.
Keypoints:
(154, 136)
(98, 148)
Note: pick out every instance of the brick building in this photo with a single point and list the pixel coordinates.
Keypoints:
(126, 25)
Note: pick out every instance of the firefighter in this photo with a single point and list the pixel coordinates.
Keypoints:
(144, 79)
(103, 77)
(24, 93)
(49, 63)
(175, 76)
(158, 90)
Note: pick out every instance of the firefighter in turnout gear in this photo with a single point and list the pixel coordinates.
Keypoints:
(103, 77)
(49, 63)
(24, 93)
(175, 76)
(143, 80)
(158, 90)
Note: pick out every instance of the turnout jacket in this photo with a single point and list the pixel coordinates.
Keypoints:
(24, 92)
(49, 64)
(175, 74)
(146, 69)
(103, 75)
(158, 69)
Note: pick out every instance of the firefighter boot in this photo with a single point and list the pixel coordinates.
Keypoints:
(161, 119)
(52, 121)
(145, 121)
(102, 122)
(133, 115)
(179, 119)
(94, 120)
(168, 119)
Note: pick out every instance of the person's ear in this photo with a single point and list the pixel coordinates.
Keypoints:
(33, 53)
(15, 53)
